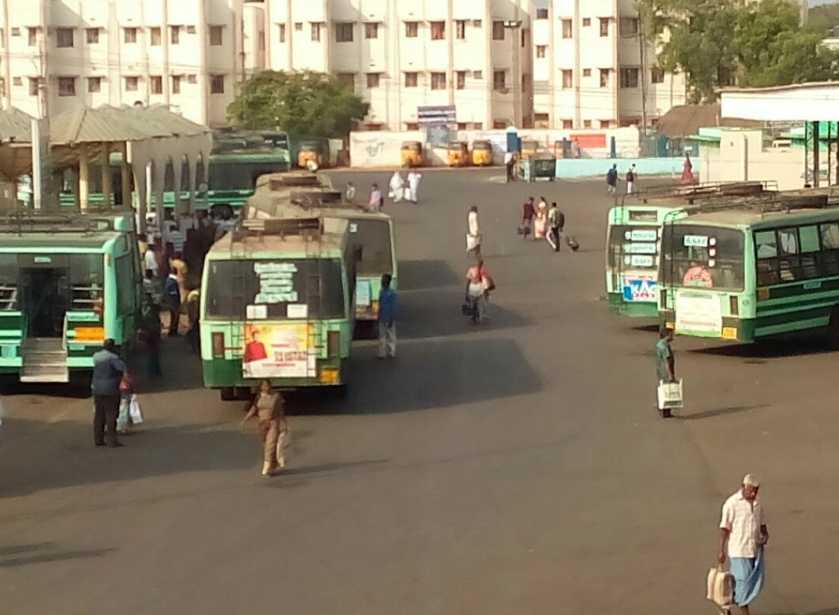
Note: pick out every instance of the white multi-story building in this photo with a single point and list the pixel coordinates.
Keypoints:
(588, 67)
(402, 54)
(65, 54)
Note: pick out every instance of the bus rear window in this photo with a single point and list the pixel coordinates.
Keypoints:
(282, 289)
(87, 281)
(373, 236)
(703, 257)
(633, 247)
(8, 281)
(239, 176)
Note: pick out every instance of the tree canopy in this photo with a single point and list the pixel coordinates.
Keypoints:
(719, 43)
(305, 103)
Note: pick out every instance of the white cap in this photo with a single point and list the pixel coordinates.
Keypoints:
(751, 480)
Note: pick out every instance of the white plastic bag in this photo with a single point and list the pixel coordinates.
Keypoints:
(135, 411)
(124, 420)
(670, 395)
(720, 587)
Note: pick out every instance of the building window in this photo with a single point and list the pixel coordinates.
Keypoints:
(541, 51)
(567, 28)
(498, 30)
(94, 85)
(438, 81)
(499, 80)
(131, 84)
(541, 120)
(192, 78)
(190, 29)
(373, 80)
(604, 26)
(316, 28)
(92, 35)
(411, 80)
(460, 80)
(2, 87)
(176, 84)
(567, 124)
(411, 29)
(541, 13)
(477, 23)
(34, 86)
(216, 36)
(281, 32)
(129, 35)
(411, 126)
(175, 35)
(66, 86)
(586, 72)
(605, 123)
(657, 75)
(604, 77)
(32, 36)
(156, 84)
(438, 30)
(499, 124)
(371, 30)
(344, 33)
(347, 80)
(629, 26)
(586, 123)
(567, 79)
(154, 37)
(477, 75)
(64, 37)
(586, 22)
(15, 31)
(460, 29)
(298, 26)
(17, 81)
(217, 84)
(629, 78)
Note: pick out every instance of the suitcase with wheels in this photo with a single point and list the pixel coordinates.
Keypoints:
(572, 243)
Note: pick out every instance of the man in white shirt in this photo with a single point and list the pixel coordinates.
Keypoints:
(743, 535)
(509, 163)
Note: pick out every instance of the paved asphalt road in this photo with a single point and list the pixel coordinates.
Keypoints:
(516, 467)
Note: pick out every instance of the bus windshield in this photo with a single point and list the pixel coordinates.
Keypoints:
(276, 289)
(376, 251)
(240, 175)
(703, 257)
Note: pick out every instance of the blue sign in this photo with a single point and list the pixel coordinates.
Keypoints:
(635, 289)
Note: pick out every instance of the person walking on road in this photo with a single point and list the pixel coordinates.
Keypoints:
(612, 179)
(665, 362)
(473, 232)
(478, 286)
(556, 222)
(528, 212)
(510, 165)
(631, 178)
(743, 537)
(387, 319)
(268, 408)
(377, 199)
(172, 297)
(397, 187)
(108, 370)
(412, 191)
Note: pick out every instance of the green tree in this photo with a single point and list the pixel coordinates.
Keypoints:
(303, 103)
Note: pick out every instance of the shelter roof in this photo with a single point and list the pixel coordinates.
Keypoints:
(15, 125)
(798, 102)
(686, 120)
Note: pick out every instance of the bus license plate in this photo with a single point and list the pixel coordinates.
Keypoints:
(729, 333)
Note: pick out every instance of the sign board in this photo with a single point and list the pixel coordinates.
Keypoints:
(640, 289)
(277, 351)
(446, 114)
(698, 313)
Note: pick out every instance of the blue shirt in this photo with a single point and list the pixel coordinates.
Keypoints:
(387, 306)
(108, 369)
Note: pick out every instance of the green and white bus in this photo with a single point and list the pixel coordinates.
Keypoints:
(752, 271)
(278, 305)
(633, 240)
(372, 233)
(66, 284)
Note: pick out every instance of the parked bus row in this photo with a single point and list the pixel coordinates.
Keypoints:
(284, 293)
(737, 262)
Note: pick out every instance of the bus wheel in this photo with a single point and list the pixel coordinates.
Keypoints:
(228, 394)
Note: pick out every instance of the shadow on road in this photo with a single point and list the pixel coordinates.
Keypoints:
(42, 553)
(418, 275)
(327, 468)
(427, 374)
(791, 346)
(707, 414)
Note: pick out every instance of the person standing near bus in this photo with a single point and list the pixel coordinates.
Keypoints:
(172, 297)
(387, 319)
(108, 370)
(268, 407)
(631, 178)
(665, 362)
(612, 179)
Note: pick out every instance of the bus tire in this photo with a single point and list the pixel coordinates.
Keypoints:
(227, 394)
(833, 329)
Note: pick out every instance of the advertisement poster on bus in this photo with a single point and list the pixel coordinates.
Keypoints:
(276, 351)
(640, 289)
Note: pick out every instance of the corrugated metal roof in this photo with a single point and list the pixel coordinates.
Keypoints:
(15, 125)
(686, 120)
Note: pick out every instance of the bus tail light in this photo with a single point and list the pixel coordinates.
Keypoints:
(218, 345)
(333, 344)
(733, 305)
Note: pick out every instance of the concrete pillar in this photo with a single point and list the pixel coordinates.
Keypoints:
(84, 177)
(76, 200)
(107, 187)
(125, 172)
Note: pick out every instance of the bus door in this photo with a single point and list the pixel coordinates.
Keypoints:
(45, 293)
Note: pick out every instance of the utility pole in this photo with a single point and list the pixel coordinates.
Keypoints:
(642, 41)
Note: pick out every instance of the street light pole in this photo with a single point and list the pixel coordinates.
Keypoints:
(514, 27)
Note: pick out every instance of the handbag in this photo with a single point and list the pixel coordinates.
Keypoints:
(720, 587)
(135, 411)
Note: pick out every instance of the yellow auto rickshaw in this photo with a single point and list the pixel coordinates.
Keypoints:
(482, 153)
(411, 154)
(458, 155)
